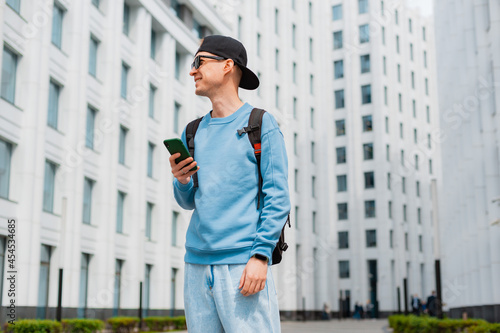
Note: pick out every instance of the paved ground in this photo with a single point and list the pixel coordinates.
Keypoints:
(334, 326)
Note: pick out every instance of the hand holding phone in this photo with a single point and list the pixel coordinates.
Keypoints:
(183, 165)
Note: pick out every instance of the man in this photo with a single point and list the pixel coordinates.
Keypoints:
(228, 284)
(416, 305)
(431, 304)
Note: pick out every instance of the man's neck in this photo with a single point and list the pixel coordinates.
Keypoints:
(223, 107)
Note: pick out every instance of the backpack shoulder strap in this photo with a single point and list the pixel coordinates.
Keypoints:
(191, 129)
(254, 130)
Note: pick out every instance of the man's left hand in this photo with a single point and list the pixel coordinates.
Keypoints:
(254, 277)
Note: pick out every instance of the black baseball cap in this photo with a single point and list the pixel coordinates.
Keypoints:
(230, 48)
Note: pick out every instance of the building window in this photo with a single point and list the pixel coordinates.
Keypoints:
(119, 212)
(367, 123)
(276, 21)
(96, 3)
(276, 60)
(152, 93)
(9, 71)
(390, 209)
(425, 59)
(258, 44)
(413, 80)
(173, 288)
(5, 161)
(342, 183)
(406, 241)
(364, 33)
(428, 114)
(277, 96)
(147, 289)
(396, 17)
(384, 65)
(152, 51)
(344, 269)
(257, 9)
(399, 73)
(339, 99)
(89, 132)
(388, 180)
(414, 105)
(415, 136)
(429, 141)
(311, 84)
(403, 184)
(175, 219)
(420, 245)
(418, 188)
(423, 33)
(177, 114)
(126, 19)
(84, 278)
(401, 130)
(427, 87)
(313, 186)
(296, 180)
(410, 29)
(338, 69)
(369, 180)
(337, 40)
(387, 153)
(368, 151)
(430, 167)
(341, 155)
(411, 51)
(151, 149)
(387, 124)
(365, 63)
(391, 239)
(295, 136)
(149, 219)
(49, 186)
(419, 215)
(343, 239)
(124, 79)
(369, 208)
(57, 25)
(340, 127)
(311, 49)
(15, 5)
(88, 185)
(178, 60)
(386, 102)
(337, 12)
(312, 117)
(404, 213)
(402, 157)
(400, 102)
(93, 45)
(397, 44)
(122, 143)
(294, 72)
(310, 12)
(117, 289)
(363, 6)
(43, 282)
(366, 94)
(312, 152)
(296, 217)
(53, 111)
(342, 211)
(371, 238)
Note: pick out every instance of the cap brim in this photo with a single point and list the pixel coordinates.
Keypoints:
(249, 80)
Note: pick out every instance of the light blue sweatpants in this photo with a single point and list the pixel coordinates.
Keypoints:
(214, 304)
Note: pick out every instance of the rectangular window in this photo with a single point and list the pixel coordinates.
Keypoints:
(43, 282)
(296, 217)
(363, 6)
(429, 141)
(384, 65)
(340, 127)
(311, 84)
(337, 40)
(427, 87)
(126, 19)
(294, 108)
(294, 72)
(119, 212)
(428, 114)
(311, 49)
(173, 288)
(367, 123)
(430, 167)
(368, 151)
(314, 222)
(117, 287)
(411, 51)
(369, 180)
(406, 241)
(147, 288)
(177, 114)
(413, 80)
(366, 94)
(5, 164)
(425, 59)
(343, 239)
(312, 152)
(371, 238)
(341, 155)
(396, 17)
(387, 152)
(419, 215)
(57, 24)
(84, 278)
(344, 269)
(152, 93)
(364, 33)
(15, 5)
(337, 12)
(420, 246)
(151, 149)
(310, 12)
(400, 102)
(149, 220)
(390, 209)
(257, 9)
(404, 213)
(96, 3)
(401, 130)
(277, 95)
(339, 99)
(410, 29)
(403, 184)
(397, 44)
(365, 63)
(295, 136)
(276, 60)
(93, 45)
(89, 132)
(391, 238)
(414, 106)
(342, 211)
(175, 219)
(423, 33)
(49, 186)
(417, 186)
(388, 180)
(387, 124)
(276, 21)
(152, 51)
(342, 183)
(296, 180)
(383, 35)
(313, 186)
(399, 73)
(402, 157)
(9, 73)
(386, 102)
(415, 136)
(53, 111)
(124, 79)
(178, 60)
(312, 117)
(369, 208)
(258, 44)
(88, 185)
(122, 143)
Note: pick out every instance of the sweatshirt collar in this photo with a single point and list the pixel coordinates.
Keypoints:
(243, 109)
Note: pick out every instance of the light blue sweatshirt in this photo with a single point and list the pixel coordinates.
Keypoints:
(226, 227)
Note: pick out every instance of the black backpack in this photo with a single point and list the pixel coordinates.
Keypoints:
(254, 131)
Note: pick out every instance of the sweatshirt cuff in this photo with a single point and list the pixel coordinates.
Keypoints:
(183, 187)
(263, 249)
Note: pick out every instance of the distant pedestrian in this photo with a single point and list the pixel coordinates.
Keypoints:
(431, 304)
(369, 309)
(416, 305)
(326, 312)
(357, 311)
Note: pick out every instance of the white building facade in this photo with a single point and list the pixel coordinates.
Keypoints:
(89, 90)
(468, 49)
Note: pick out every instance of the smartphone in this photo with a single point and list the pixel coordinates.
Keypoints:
(177, 146)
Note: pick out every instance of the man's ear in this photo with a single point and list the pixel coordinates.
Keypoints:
(228, 65)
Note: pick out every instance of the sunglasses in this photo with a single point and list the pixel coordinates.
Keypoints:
(197, 62)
